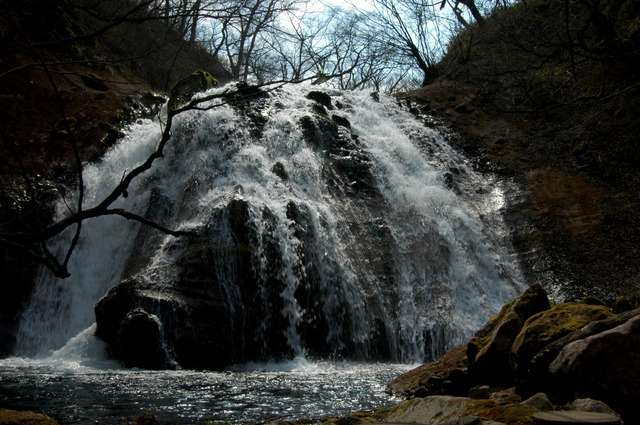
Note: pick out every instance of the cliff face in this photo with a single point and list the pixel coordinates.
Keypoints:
(549, 97)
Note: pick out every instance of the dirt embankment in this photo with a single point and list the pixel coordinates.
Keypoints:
(547, 93)
(576, 224)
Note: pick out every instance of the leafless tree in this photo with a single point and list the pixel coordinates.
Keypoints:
(410, 28)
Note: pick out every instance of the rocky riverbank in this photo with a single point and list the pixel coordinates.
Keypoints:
(554, 357)
(533, 363)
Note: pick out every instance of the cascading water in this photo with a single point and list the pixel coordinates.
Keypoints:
(369, 236)
(350, 231)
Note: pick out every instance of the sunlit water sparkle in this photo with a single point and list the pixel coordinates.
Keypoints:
(104, 393)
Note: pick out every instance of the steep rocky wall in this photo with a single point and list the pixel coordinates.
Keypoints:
(573, 227)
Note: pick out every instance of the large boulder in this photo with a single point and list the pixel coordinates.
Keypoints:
(141, 341)
(200, 322)
(14, 417)
(550, 325)
(489, 350)
(574, 417)
(535, 377)
(591, 405)
(446, 409)
(224, 296)
(605, 366)
(447, 375)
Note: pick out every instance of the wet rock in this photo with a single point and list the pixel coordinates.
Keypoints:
(348, 167)
(550, 325)
(14, 417)
(341, 121)
(448, 179)
(573, 417)
(488, 351)
(219, 300)
(279, 170)
(321, 98)
(202, 326)
(141, 341)
(428, 379)
(319, 109)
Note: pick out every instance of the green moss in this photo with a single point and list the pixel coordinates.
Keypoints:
(548, 326)
(622, 304)
(186, 88)
(591, 300)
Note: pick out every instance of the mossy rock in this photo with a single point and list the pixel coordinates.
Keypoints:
(591, 300)
(24, 418)
(183, 90)
(548, 326)
(622, 304)
(489, 350)
(424, 379)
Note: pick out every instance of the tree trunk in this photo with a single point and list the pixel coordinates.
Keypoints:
(474, 11)
(194, 22)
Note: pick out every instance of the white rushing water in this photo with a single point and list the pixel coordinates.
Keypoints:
(439, 268)
(451, 268)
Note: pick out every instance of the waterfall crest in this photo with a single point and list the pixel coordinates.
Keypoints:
(348, 230)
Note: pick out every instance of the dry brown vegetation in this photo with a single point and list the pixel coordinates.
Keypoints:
(547, 92)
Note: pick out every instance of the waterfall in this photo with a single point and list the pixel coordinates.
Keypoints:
(349, 230)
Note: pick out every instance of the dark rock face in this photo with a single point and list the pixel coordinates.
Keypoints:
(222, 301)
(17, 270)
(141, 341)
(349, 169)
(446, 375)
(201, 326)
(488, 352)
(215, 306)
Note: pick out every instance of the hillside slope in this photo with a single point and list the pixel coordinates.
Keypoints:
(548, 92)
